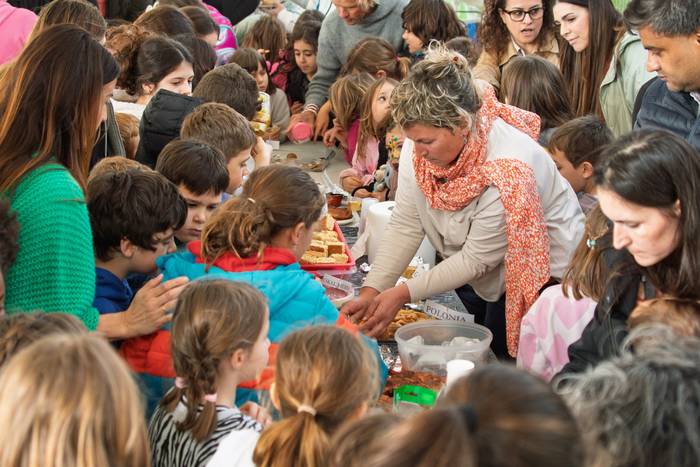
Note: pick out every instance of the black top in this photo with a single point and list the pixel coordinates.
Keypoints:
(234, 10)
(161, 123)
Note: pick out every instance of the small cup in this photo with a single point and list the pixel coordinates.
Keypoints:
(456, 369)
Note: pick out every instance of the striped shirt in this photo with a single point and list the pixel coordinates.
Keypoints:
(235, 433)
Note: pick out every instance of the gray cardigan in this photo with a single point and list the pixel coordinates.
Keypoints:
(337, 39)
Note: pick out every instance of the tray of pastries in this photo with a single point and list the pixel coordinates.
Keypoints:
(328, 249)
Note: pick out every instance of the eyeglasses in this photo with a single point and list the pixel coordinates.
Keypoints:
(519, 15)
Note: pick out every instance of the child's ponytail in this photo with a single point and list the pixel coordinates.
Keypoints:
(125, 42)
(212, 319)
(298, 437)
(317, 393)
(274, 198)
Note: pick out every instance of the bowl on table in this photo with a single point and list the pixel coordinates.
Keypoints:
(338, 297)
(429, 345)
(334, 200)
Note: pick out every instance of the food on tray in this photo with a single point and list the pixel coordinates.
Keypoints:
(340, 214)
(404, 316)
(328, 224)
(325, 247)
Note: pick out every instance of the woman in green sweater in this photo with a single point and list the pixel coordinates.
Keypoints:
(50, 109)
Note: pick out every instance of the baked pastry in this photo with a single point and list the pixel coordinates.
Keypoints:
(340, 258)
(335, 248)
(404, 316)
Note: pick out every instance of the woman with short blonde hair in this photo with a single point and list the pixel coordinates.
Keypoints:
(474, 180)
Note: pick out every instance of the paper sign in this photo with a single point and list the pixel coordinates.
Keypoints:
(332, 281)
(439, 311)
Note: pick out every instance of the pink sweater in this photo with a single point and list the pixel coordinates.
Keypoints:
(552, 324)
(364, 168)
(15, 26)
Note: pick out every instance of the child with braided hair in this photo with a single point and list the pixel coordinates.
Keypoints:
(219, 339)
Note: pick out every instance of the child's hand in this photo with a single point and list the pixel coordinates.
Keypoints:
(257, 413)
(296, 107)
(273, 134)
(333, 135)
(150, 308)
(350, 183)
(262, 153)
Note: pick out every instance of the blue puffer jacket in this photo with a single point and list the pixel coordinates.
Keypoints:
(295, 300)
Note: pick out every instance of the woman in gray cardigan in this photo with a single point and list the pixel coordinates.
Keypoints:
(342, 29)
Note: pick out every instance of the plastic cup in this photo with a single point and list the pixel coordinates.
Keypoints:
(456, 369)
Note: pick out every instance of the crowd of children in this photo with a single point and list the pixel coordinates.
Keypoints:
(153, 309)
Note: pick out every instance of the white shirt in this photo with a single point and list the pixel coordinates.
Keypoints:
(131, 108)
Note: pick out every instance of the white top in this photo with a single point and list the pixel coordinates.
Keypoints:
(473, 240)
(131, 108)
(236, 450)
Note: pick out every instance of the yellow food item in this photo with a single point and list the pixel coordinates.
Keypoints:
(340, 258)
(404, 316)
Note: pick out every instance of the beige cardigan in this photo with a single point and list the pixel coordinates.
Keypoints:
(473, 240)
(490, 68)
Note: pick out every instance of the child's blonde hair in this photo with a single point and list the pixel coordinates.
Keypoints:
(212, 319)
(274, 198)
(22, 329)
(375, 55)
(680, 314)
(346, 96)
(324, 375)
(587, 272)
(368, 129)
(79, 406)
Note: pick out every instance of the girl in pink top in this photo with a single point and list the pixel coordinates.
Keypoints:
(558, 317)
(372, 130)
(346, 97)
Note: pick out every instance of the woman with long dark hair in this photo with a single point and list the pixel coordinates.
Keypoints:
(647, 185)
(603, 65)
(512, 28)
(50, 110)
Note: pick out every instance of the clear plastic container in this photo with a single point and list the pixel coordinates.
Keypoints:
(434, 352)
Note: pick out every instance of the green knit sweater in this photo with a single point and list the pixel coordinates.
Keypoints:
(55, 267)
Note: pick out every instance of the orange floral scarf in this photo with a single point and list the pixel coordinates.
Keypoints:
(452, 188)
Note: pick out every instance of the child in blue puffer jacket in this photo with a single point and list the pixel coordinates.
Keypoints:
(256, 238)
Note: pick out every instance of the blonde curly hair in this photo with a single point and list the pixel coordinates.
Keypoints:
(439, 92)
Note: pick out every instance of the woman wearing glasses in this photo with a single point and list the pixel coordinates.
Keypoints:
(603, 65)
(510, 28)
